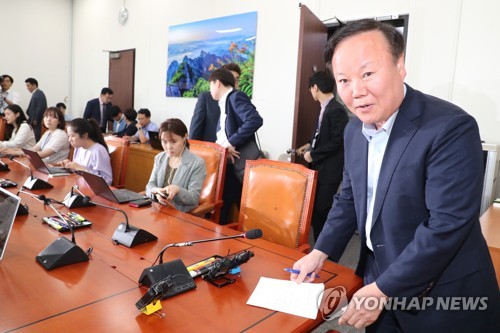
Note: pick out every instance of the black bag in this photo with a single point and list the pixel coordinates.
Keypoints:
(249, 151)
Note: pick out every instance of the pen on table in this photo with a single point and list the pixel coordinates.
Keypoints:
(296, 271)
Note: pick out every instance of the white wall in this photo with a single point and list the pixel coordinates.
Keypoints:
(452, 52)
(36, 42)
(96, 28)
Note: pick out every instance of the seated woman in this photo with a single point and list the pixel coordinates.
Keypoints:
(91, 152)
(19, 133)
(130, 119)
(178, 174)
(53, 145)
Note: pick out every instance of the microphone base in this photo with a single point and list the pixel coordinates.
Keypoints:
(60, 253)
(4, 167)
(133, 236)
(75, 201)
(36, 184)
(22, 210)
(175, 272)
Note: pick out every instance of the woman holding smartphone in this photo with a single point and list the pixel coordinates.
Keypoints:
(178, 174)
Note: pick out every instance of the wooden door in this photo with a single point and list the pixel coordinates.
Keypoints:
(312, 41)
(122, 77)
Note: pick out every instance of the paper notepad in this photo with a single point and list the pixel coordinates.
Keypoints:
(288, 297)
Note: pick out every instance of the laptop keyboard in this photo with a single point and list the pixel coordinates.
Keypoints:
(53, 169)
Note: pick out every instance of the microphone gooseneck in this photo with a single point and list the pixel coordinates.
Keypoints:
(24, 165)
(86, 200)
(250, 234)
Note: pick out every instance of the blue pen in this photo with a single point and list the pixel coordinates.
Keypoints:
(296, 271)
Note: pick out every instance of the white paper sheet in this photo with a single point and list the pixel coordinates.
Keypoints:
(288, 296)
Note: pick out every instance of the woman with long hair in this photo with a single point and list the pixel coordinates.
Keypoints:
(91, 151)
(178, 174)
(19, 133)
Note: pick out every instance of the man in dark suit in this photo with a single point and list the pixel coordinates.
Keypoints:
(412, 188)
(325, 151)
(239, 121)
(37, 106)
(99, 108)
(205, 120)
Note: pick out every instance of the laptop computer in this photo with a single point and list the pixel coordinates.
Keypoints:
(9, 203)
(102, 189)
(154, 140)
(40, 165)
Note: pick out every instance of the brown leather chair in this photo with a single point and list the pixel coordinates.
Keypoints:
(3, 127)
(211, 193)
(118, 151)
(278, 197)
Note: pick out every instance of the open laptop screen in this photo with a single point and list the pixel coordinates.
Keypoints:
(9, 204)
(154, 140)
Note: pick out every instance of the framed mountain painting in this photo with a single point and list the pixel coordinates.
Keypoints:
(198, 48)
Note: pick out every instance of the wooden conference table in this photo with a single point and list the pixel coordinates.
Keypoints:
(100, 295)
(490, 226)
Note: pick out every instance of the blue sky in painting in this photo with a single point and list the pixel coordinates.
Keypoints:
(213, 35)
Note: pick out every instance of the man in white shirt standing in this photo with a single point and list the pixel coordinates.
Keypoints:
(7, 95)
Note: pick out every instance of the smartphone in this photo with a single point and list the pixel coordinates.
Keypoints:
(140, 203)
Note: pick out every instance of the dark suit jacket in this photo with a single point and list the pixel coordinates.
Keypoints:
(426, 235)
(93, 110)
(37, 107)
(242, 119)
(129, 130)
(205, 119)
(328, 152)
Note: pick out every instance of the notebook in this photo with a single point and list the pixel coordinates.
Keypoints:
(9, 203)
(102, 189)
(39, 165)
(154, 140)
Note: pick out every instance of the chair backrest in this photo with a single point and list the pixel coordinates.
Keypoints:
(278, 197)
(3, 127)
(215, 161)
(118, 151)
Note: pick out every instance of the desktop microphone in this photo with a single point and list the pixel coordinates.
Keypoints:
(72, 200)
(153, 274)
(125, 234)
(62, 251)
(23, 209)
(4, 166)
(32, 183)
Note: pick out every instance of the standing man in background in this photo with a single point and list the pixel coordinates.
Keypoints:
(7, 95)
(412, 187)
(239, 120)
(325, 151)
(37, 106)
(99, 108)
(205, 120)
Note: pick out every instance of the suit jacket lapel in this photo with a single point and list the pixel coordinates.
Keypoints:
(358, 162)
(403, 130)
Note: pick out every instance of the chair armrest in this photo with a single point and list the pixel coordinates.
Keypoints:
(233, 226)
(304, 248)
(202, 209)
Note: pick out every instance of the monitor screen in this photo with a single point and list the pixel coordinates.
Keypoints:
(9, 204)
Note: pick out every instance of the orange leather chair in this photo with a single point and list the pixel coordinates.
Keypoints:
(118, 151)
(278, 197)
(3, 126)
(211, 193)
